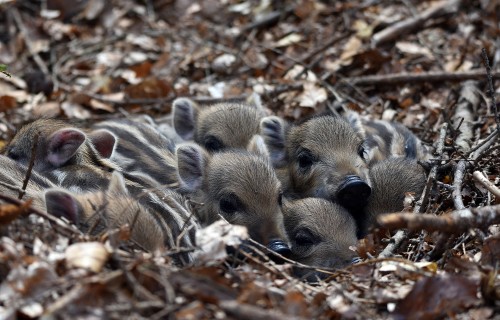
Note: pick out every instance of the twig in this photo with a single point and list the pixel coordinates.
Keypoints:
(476, 152)
(464, 112)
(479, 177)
(491, 90)
(411, 24)
(405, 78)
(457, 185)
(457, 222)
(30, 166)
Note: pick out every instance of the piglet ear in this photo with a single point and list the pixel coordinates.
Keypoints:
(356, 123)
(191, 164)
(63, 144)
(104, 141)
(61, 203)
(117, 184)
(272, 130)
(258, 146)
(184, 117)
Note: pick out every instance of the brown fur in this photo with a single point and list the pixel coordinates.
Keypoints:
(321, 233)
(334, 146)
(391, 180)
(219, 126)
(240, 179)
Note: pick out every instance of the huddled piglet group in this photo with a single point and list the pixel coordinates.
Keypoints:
(307, 191)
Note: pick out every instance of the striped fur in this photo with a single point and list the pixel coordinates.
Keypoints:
(386, 139)
(12, 175)
(142, 151)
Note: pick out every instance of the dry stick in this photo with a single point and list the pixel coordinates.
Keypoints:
(457, 222)
(491, 90)
(36, 57)
(466, 106)
(400, 235)
(405, 78)
(56, 221)
(412, 24)
(457, 185)
(485, 182)
(30, 166)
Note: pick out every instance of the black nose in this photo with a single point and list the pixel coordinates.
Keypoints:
(280, 247)
(353, 192)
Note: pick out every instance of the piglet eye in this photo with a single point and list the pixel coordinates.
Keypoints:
(230, 204)
(362, 151)
(11, 153)
(213, 144)
(305, 159)
(305, 238)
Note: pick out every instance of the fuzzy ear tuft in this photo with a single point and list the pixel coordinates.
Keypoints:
(104, 141)
(355, 121)
(191, 165)
(63, 145)
(258, 146)
(61, 203)
(184, 113)
(272, 130)
(117, 185)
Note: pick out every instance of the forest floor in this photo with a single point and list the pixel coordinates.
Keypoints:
(416, 62)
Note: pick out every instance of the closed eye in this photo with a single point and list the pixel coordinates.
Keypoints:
(213, 144)
(305, 238)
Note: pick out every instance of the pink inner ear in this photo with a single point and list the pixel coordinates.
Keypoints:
(63, 145)
(104, 142)
(62, 204)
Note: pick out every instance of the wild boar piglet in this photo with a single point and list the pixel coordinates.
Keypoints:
(220, 126)
(240, 186)
(153, 227)
(321, 157)
(322, 235)
(60, 144)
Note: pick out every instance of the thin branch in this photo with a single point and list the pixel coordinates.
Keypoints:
(416, 22)
(405, 78)
(457, 185)
(485, 182)
(457, 222)
(30, 166)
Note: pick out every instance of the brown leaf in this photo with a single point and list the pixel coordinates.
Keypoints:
(10, 212)
(490, 253)
(7, 102)
(433, 297)
(151, 88)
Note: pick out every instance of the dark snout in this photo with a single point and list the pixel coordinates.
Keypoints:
(353, 192)
(281, 248)
(278, 246)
